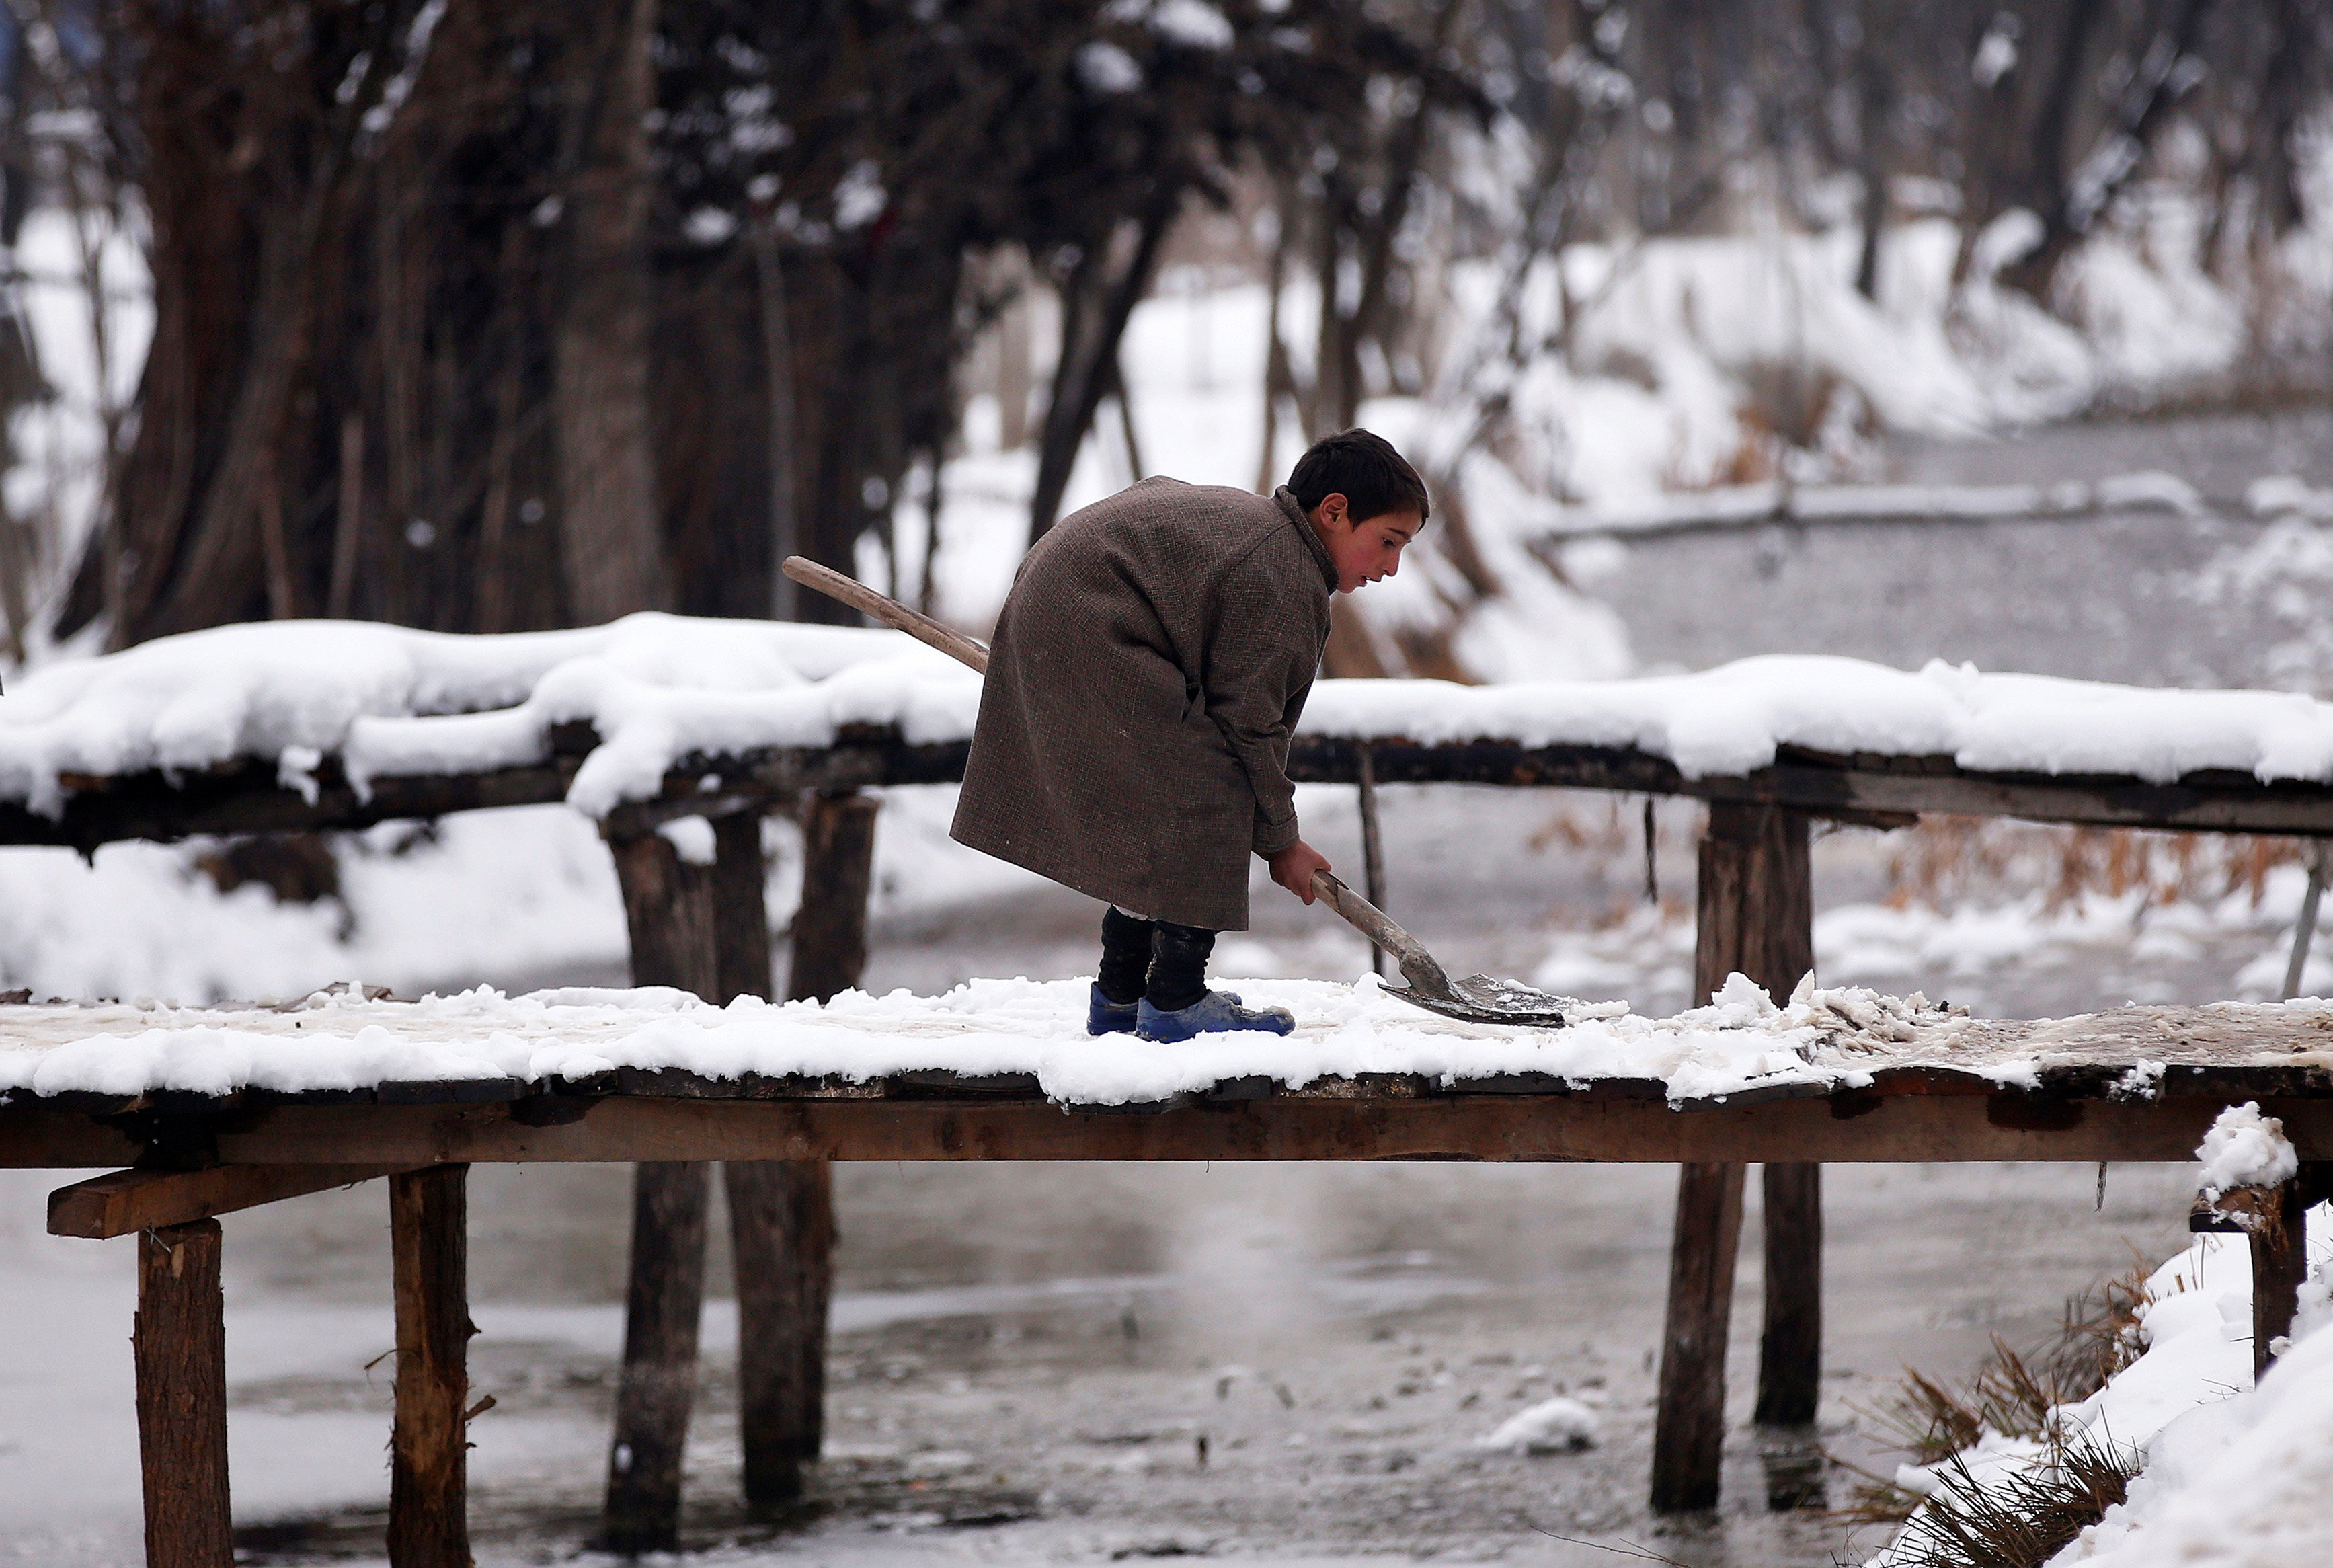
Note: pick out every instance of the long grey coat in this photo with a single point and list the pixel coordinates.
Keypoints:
(1150, 661)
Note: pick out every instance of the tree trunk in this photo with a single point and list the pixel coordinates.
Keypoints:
(611, 544)
(778, 368)
(1095, 306)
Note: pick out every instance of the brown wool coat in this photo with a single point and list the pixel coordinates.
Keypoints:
(1149, 663)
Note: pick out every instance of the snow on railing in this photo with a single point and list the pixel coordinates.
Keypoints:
(656, 689)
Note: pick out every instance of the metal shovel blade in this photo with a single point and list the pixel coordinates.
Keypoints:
(1476, 999)
(1485, 999)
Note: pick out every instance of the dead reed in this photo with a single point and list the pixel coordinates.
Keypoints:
(1946, 860)
(2020, 1520)
(1931, 1422)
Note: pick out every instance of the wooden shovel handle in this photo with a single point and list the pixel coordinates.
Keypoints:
(1417, 966)
(889, 611)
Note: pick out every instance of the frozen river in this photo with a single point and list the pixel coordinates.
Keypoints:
(1284, 1364)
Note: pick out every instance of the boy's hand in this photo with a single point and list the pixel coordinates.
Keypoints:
(1293, 868)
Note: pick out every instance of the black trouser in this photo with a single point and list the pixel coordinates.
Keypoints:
(1156, 960)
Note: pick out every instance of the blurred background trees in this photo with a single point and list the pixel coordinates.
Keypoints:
(492, 317)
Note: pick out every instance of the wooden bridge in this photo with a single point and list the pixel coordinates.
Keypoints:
(702, 928)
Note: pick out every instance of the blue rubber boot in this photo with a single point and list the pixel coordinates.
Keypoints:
(1215, 1012)
(1104, 1017)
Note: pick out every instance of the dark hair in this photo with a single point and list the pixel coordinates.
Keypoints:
(1373, 478)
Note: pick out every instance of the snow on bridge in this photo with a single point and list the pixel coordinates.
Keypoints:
(1026, 1040)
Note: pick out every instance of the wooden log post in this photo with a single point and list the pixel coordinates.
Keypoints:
(2274, 1222)
(1789, 1350)
(1755, 914)
(180, 1347)
(781, 1231)
(781, 1212)
(429, 1484)
(659, 1385)
(2278, 1235)
(1689, 1428)
(668, 910)
(838, 871)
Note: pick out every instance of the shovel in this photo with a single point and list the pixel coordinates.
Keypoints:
(1477, 998)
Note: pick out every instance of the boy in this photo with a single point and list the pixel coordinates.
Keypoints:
(1149, 666)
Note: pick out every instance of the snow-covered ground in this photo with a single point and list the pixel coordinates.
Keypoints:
(2230, 1474)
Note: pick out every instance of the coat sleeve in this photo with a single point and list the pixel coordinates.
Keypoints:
(1260, 667)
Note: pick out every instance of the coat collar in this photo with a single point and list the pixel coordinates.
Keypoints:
(1286, 499)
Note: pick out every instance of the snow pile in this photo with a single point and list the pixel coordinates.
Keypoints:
(2245, 1485)
(980, 1029)
(1558, 1426)
(2232, 1475)
(2246, 1149)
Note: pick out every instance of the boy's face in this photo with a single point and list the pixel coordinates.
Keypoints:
(1365, 550)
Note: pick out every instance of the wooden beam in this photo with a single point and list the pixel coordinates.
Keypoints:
(1847, 1127)
(1689, 1426)
(247, 796)
(179, 1343)
(659, 1383)
(428, 1484)
(243, 797)
(123, 1202)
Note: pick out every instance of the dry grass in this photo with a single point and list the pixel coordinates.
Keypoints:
(1930, 1422)
(1948, 860)
(2022, 1520)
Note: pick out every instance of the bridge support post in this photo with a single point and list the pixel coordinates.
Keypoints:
(428, 1484)
(179, 1343)
(781, 1212)
(1755, 914)
(2279, 1248)
(668, 911)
